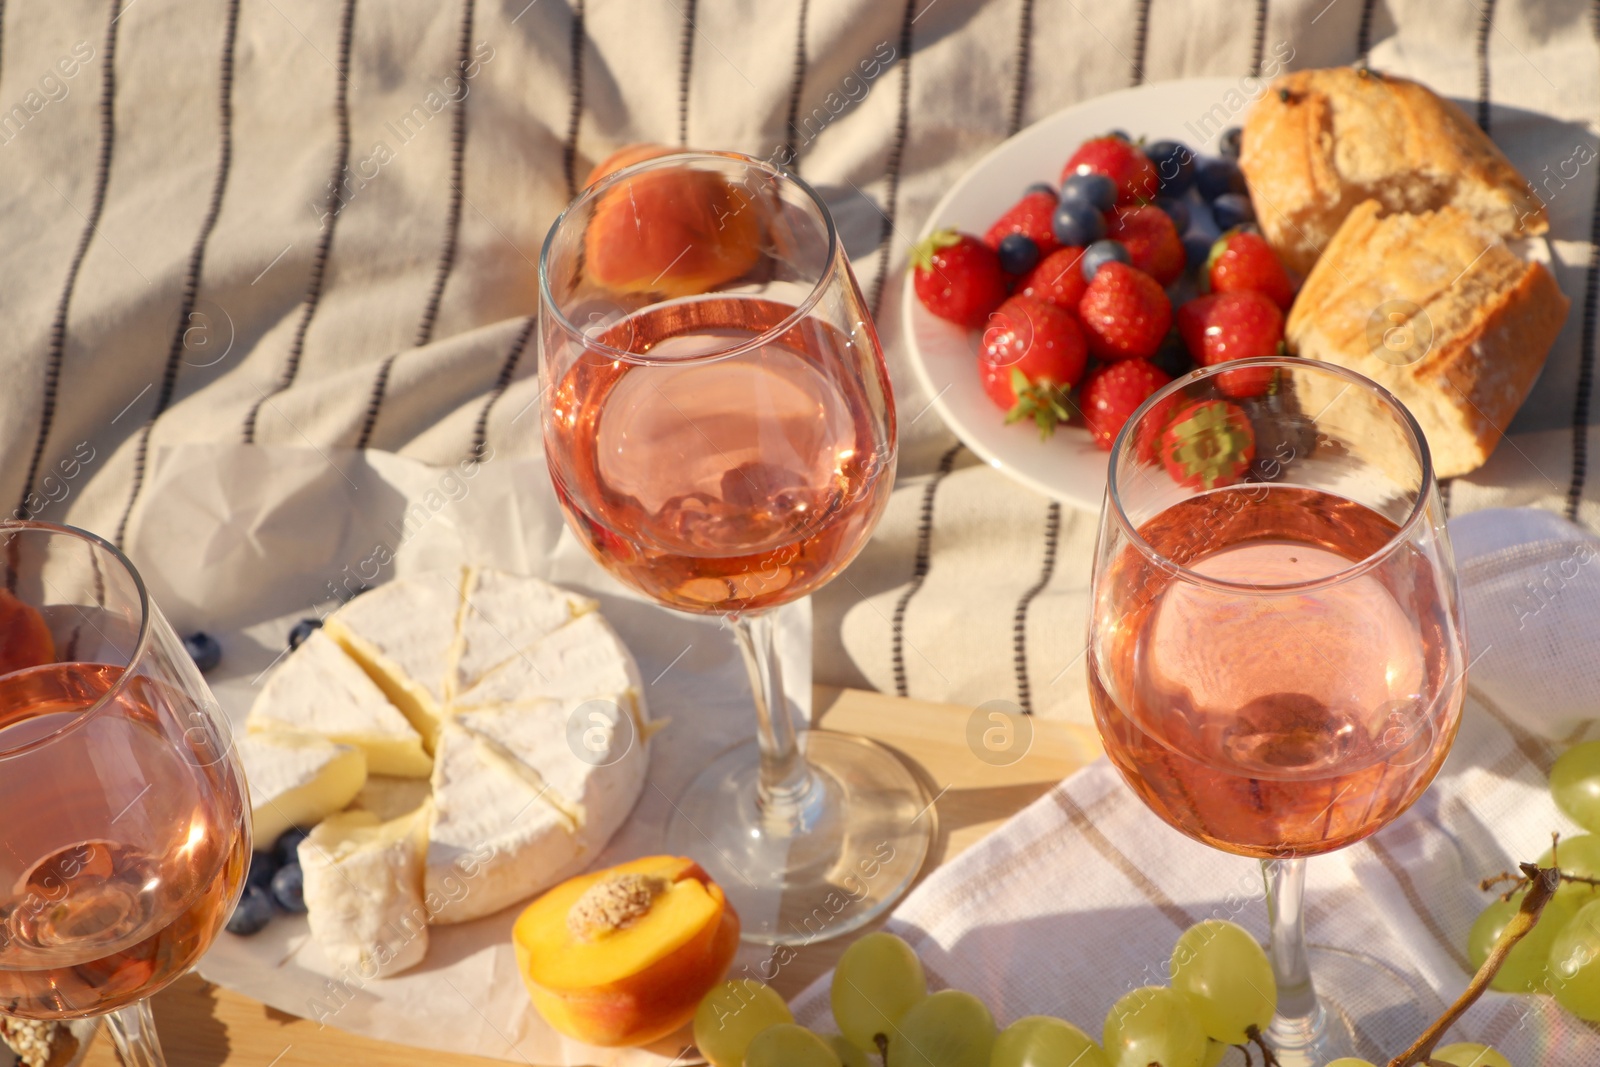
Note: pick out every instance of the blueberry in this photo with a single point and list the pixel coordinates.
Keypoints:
(287, 847)
(1122, 134)
(1173, 356)
(253, 912)
(204, 650)
(263, 865)
(1232, 209)
(1230, 142)
(1196, 249)
(1213, 177)
(1077, 224)
(1040, 187)
(1094, 189)
(1018, 253)
(1099, 254)
(289, 889)
(1176, 210)
(302, 630)
(1174, 165)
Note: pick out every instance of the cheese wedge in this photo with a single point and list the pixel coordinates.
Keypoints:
(582, 659)
(404, 635)
(504, 614)
(388, 797)
(363, 890)
(297, 780)
(320, 690)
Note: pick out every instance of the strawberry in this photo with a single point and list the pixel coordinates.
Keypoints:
(958, 278)
(1113, 392)
(1121, 161)
(1030, 217)
(1207, 444)
(1056, 280)
(1241, 260)
(1152, 241)
(1237, 325)
(1124, 312)
(1033, 353)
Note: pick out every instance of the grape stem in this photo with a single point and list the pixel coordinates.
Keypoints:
(1542, 884)
(1268, 1058)
(882, 1041)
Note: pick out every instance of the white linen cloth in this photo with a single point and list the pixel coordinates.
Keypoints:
(1080, 897)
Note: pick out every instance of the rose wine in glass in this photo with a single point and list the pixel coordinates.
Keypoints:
(1276, 653)
(720, 433)
(125, 837)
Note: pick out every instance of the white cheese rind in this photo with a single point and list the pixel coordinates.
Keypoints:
(505, 614)
(319, 690)
(363, 891)
(297, 780)
(585, 658)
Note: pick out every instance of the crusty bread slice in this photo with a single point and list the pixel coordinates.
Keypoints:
(1435, 307)
(1319, 142)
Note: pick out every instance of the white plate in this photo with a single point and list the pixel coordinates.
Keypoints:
(1067, 466)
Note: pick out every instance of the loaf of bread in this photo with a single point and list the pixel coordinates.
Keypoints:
(1435, 307)
(1319, 142)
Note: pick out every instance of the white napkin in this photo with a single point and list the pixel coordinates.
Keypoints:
(1080, 897)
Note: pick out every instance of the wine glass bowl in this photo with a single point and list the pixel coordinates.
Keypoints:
(127, 833)
(1276, 655)
(720, 432)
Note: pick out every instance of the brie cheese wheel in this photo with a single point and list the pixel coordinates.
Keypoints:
(404, 635)
(319, 690)
(363, 890)
(504, 614)
(583, 658)
(297, 780)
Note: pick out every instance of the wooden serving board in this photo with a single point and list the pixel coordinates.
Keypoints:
(202, 1025)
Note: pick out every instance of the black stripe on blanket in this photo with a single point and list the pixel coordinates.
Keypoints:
(1445, 485)
(91, 223)
(569, 147)
(197, 259)
(796, 87)
(1485, 26)
(1586, 353)
(2, 34)
(1364, 31)
(919, 566)
(452, 232)
(1141, 31)
(1259, 44)
(685, 71)
(1052, 536)
(1023, 58)
(508, 370)
(331, 205)
(897, 149)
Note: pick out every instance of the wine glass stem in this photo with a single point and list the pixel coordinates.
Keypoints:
(1286, 894)
(786, 782)
(133, 1031)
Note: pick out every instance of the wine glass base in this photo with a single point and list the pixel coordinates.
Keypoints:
(849, 851)
(1367, 1009)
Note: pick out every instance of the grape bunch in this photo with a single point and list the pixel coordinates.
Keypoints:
(1222, 993)
(1561, 954)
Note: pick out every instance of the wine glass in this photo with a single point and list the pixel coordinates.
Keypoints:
(1276, 650)
(124, 830)
(720, 431)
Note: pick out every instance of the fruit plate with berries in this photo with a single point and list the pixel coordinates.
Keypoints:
(1055, 284)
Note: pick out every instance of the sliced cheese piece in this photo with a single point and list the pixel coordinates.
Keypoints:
(297, 780)
(404, 636)
(505, 614)
(319, 690)
(388, 797)
(582, 659)
(363, 890)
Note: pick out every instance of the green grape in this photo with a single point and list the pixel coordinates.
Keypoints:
(1575, 784)
(1574, 963)
(788, 1045)
(1041, 1041)
(1215, 1050)
(731, 1015)
(849, 1055)
(947, 1029)
(1524, 968)
(1228, 979)
(1154, 1024)
(876, 982)
(1580, 856)
(1466, 1054)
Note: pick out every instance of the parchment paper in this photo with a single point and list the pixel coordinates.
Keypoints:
(243, 541)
